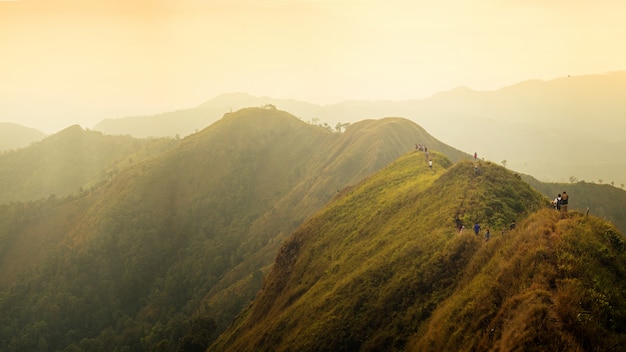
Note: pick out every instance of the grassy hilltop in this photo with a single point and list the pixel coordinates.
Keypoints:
(382, 268)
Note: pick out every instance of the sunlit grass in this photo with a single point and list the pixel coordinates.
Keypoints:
(383, 268)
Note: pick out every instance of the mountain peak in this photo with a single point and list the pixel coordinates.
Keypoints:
(72, 129)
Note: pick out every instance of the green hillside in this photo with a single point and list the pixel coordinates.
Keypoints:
(69, 162)
(164, 254)
(382, 268)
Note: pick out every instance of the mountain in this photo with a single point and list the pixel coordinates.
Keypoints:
(165, 253)
(70, 161)
(382, 268)
(14, 136)
(170, 124)
(570, 126)
(186, 121)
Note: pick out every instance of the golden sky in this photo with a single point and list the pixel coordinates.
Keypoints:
(80, 61)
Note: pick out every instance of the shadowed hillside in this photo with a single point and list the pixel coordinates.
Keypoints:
(70, 161)
(167, 252)
(382, 268)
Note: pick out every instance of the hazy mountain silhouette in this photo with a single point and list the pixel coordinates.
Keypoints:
(69, 161)
(552, 130)
(186, 121)
(14, 136)
(382, 268)
(166, 252)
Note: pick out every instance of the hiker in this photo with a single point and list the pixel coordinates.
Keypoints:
(430, 163)
(459, 223)
(557, 202)
(475, 156)
(512, 226)
(487, 235)
(476, 228)
(476, 169)
(564, 201)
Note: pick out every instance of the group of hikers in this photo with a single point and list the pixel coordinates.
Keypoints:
(476, 163)
(477, 228)
(560, 202)
(423, 148)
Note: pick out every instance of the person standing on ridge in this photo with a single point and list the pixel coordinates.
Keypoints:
(475, 156)
(564, 202)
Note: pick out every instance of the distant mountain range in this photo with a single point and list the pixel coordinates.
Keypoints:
(13, 136)
(557, 130)
(553, 130)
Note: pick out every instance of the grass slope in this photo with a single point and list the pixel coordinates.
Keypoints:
(552, 284)
(382, 268)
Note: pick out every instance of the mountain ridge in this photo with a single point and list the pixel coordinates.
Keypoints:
(382, 268)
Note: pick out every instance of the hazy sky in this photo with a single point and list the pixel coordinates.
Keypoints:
(80, 61)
